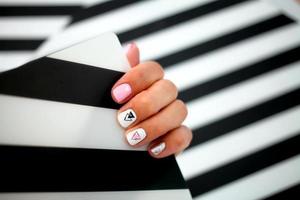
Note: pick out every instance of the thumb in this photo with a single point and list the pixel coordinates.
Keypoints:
(133, 54)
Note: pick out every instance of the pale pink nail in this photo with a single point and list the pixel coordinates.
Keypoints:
(121, 92)
(128, 47)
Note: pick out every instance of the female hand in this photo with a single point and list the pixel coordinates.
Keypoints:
(151, 114)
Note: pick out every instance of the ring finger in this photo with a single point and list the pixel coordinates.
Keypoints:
(167, 119)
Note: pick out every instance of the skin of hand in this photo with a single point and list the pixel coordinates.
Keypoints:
(151, 115)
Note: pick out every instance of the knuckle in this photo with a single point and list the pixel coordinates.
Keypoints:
(178, 142)
(182, 107)
(170, 86)
(155, 66)
(188, 133)
(144, 103)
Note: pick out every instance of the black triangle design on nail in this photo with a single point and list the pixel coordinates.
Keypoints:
(129, 116)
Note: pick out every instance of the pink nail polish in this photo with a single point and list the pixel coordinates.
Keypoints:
(128, 47)
(121, 92)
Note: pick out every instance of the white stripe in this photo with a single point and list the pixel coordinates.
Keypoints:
(102, 51)
(242, 96)
(233, 57)
(261, 184)
(26, 121)
(179, 194)
(239, 143)
(11, 59)
(117, 21)
(31, 27)
(203, 28)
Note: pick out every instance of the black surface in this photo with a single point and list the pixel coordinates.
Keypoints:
(35, 10)
(63, 81)
(42, 169)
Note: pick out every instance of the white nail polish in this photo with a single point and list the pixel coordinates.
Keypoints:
(158, 149)
(136, 136)
(126, 118)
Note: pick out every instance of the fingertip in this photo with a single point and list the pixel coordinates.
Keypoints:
(133, 54)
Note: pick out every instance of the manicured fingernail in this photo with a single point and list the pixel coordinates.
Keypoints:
(128, 47)
(126, 118)
(136, 136)
(158, 149)
(121, 92)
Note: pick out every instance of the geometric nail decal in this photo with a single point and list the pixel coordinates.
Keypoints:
(136, 136)
(126, 118)
(158, 149)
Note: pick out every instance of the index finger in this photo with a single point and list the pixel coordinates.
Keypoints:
(136, 80)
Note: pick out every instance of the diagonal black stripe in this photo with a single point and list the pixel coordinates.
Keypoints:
(225, 40)
(59, 80)
(19, 44)
(99, 9)
(245, 166)
(47, 169)
(290, 193)
(247, 72)
(32, 10)
(245, 117)
(176, 19)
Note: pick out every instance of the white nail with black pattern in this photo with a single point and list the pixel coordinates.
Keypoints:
(158, 149)
(136, 136)
(126, 118)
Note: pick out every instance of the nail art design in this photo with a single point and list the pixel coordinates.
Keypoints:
(158, 149)
(136, 136)
(126, 118)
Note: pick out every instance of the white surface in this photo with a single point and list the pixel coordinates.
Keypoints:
(127, 195)
(103, 51)
(31, 27)
(239, 143)
(12, 59)
(289, 7)
(273, 179)
(26, 121)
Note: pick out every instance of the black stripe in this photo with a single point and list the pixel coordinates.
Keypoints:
(225, 40)
(99, 9)
(245, 117)
(244, 73)
(42, 169)
(290, 193)
(245, 166)
(32, 10)
(63, 81)
(19, 44)
(176, 19)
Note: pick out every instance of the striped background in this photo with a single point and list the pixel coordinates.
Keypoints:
(236, 64)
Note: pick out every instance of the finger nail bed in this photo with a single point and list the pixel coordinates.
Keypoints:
(121, 92)
(158, 149)
(128, 47)
(136, 136)
(126, 118)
